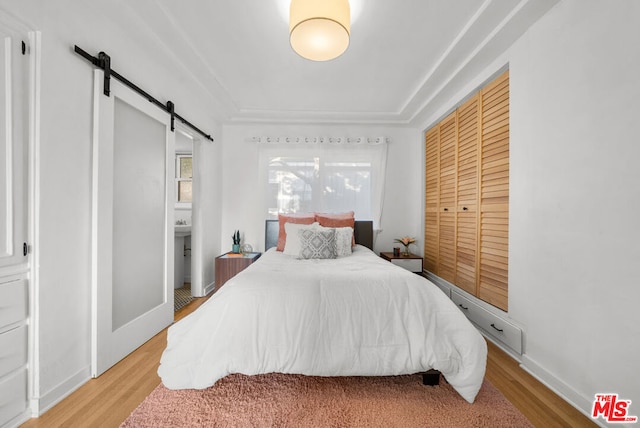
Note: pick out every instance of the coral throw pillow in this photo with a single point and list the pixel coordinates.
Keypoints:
(291, 218)
(337, 220)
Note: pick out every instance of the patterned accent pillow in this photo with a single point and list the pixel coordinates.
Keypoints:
(317, 244)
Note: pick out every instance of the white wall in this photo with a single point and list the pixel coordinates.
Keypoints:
(242, 191)
(65, 169)
(206, 214)
(574, 243)
(575, 239)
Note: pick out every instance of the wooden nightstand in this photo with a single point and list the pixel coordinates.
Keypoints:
(227, 266)
(412, 262)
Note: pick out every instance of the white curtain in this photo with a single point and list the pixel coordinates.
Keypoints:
(323, 175)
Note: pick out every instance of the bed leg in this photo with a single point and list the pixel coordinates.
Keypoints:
(431, 378)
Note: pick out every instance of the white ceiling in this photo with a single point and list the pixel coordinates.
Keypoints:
(403, 54)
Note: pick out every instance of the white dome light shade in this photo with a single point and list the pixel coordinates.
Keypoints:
(319, 29)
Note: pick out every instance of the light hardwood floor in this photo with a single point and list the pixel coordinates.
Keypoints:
(109, 399)
(537, 402)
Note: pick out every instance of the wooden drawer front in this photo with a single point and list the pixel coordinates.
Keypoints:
(13, 396)
(227, 267)
(13, 302)
(492, 324)
(13, 350)
(413, 265)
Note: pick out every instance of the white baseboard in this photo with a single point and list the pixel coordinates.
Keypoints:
(566, 392)
(18, 420)
(209, 288)
(39, 405)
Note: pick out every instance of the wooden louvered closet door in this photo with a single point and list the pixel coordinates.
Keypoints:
(447, 199)
(432, 166)
(467, 195)
(494, 197)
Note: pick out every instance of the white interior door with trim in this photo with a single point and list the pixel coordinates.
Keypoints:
(15, 87)
(132, 223)
(13, 141)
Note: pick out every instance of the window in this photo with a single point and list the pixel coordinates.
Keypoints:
(184, 179)
(324, 178)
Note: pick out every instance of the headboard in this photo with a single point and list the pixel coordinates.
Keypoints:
(362, 231)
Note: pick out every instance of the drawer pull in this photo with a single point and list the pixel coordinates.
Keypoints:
(464, 208)
(463, 307)
(446, 209)
(499, 329)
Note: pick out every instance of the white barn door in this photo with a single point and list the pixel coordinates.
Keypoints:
(132, 230)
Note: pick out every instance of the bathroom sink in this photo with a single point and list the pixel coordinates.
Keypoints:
(182, 230)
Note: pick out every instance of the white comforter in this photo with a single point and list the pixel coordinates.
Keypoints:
(357, 315)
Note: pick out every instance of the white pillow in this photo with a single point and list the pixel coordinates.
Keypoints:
(344, 239)
(292, 245)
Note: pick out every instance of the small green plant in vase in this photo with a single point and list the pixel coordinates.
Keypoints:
(236, 241)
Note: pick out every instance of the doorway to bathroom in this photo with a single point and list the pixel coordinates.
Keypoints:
(183, 218)
(191, 252)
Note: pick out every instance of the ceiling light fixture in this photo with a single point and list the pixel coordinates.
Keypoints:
(319, 29)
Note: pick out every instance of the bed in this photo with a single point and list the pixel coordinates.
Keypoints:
(357, 315)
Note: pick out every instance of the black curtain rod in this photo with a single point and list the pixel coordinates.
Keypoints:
(103, 61)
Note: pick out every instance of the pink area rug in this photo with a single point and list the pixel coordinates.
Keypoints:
(279, 400)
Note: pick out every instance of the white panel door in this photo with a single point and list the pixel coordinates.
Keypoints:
(15, 66)
(133, 170)
(13, 141)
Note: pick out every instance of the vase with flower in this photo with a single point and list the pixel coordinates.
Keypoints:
(406, 241)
